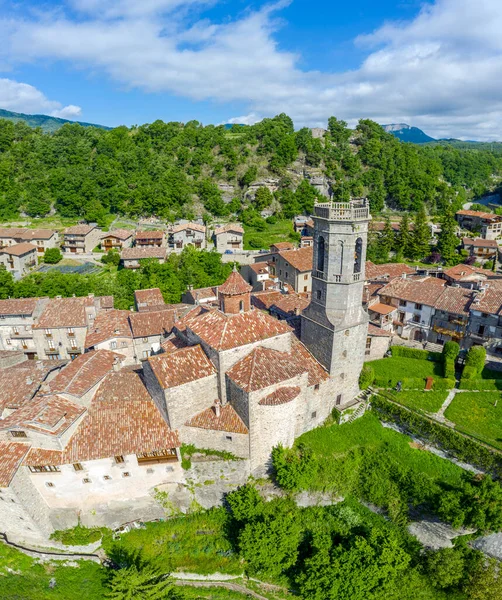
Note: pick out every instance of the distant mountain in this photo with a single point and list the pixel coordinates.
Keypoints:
(46, 123)
(408, 134)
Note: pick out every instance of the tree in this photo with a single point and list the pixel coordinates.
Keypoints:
(447, 239)
(386, 241)
(6, 283)
(486, 581)
(147, 583)
(420, 236)
(263, 198)
(111, 258)
(338, 131)
(52, 256)
(245, 503)
(404, 237)
(445, 567)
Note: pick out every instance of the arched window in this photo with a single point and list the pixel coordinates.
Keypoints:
(358, 255)
(320, 254)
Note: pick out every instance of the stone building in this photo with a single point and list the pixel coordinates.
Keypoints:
(451, 315)
(256, 274)
(150, 239)
(467, 276)
(112, 331)
(117, 239)
(229, 238)
(19, 258)
(482, 249)
(290, 266)
(488, 225)
(131, 257)
(485, 322)
(377, 343)
(17, 317)
(151, 299)
(81, 239)
(187, 234)
(41, 238)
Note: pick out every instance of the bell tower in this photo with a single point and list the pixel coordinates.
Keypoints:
(334, 326)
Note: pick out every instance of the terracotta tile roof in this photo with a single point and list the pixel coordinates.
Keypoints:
(300, 259)
(370, 291)
(23, 306)
(149, 235)
(106, 301)
(228, 420)
(265, 300)
(141, 253)
(224, 332)
(387, 271)
(454, 300)
(11, 457)
(10, 232)
(422, 291)
(259, 267)
(152, 323)
(282, 395)
(302, 356)
(230, 227)
(183, 226)
(479, 243)
(467, 273)
(291, 303)
(109, 325)
(489, 301)
(478, 214)
(38, 457)
(64, 312)
(377, 331)
(79, 230)
(120, 234)
(50, 415)
(121, 420)
(172, 344)
(18, 249)
(83, 373)
(283, 246)
(197, 310)
(234, 285)
(182, 366)
(382, 309)
(35, 234)
(19, 383)
(150, 297)
(202, 294)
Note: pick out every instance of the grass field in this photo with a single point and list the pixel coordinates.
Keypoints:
(475, 413)
(278, 232)
(395, 368)
(421, 401)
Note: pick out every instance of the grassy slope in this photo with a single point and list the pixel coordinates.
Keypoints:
(401, 368)
(422, 401)
(475, 413)
(278, 232)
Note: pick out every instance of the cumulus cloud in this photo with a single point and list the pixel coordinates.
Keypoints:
(24, 98)
(440, 71)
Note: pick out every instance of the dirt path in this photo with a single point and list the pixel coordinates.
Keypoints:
(229, 586)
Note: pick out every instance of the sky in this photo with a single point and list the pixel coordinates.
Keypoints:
(436, 65)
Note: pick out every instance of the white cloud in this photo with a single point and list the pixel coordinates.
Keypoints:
(441, 71)
(24, 98)
(250, 119)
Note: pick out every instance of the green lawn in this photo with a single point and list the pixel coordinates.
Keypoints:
(278, 232)
(421, 401)
(475, 413)
(397, 368)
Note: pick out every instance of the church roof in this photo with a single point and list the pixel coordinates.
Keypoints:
(234, 285)
(228, 420)
(181, 366)
(282, 395)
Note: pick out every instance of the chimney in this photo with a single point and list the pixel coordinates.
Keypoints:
(116, 364)
(217, 408)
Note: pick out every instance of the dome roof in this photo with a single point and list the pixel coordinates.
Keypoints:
(235, 285)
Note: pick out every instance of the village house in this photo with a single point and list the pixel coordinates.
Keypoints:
(151, 299)
(377, 342)
(304, 226)
(206, 296)
(485, 323)
(150, 239)
(117, 239)
(81, 239)
(481, 248)
(19, 258)
(290, 266)
(229, 238)
(488, 225)
(41, 238)
(187, 234)
(256, 274)
(467, 276)
(17, 317)
(150, 330)
(112, 331)
(451, 315)
(131, 257)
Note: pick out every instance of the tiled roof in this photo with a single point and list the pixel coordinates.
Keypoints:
(51, 415)
(172, 344)
(19, 383)
(265, 300)
(234, 285)
(18, 249)
(183, 366)
(230, 227)
(183, 226)
(140, 253)
(64, 312)
(43, 457)
(291, 303)
(106, 301)
(152, 323)
(282, 395)
(377, 331)
(370, 291)
(479, 243)
(283, 246)
(121, 420)
(454, 300)
(83, 373)
(382, 309)
(223, 332)
(302, 356)
(300, 259)
(35, 234)
(228, 420)
(388, 270)
(108, 325)
(149, 235)
(10, 232)
(489, 301)
(259, 267)
(478, 214)
(467, 273)
(120, 234)
(150, 297)
(11, 457)
(23, 306)
(201, 294)
(79, 229)
(422, 291)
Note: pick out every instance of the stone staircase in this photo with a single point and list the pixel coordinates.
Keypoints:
(361, 402)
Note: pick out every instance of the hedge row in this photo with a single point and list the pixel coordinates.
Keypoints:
(449, 440)
(484, 385)
(413, 383)
(416, 353)
(449, 368)
(444, 384)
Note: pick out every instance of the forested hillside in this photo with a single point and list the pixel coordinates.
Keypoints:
(173, 170)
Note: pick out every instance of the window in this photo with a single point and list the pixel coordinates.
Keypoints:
(106, 477)
(73, 343)
(241, 306)
(119, 460)
(123, 344)
(286, 265)
(313, 415)
(304, 288)
(145, 340)
(342, 376)
(51, 345)
(402, 302)
(316, 387)
(320, 254)
(368, 343)
(338, 399)
(48, 333)
(16, 330)
(44, 469)
(305, 277)
(146, 354)
(49, 484)
(18, 434)
(344, 354)
(319, 294)
(9, 342)
(416, 319)
(70, 331)
(78, 466)
(86, 480)
(126, 474)
(228, 438)
(418, 306)
(286, 274)
(358, 255)
(113, 345)
(280, 271)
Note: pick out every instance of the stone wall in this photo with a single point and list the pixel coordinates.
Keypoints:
(185, 401)
(236, 443)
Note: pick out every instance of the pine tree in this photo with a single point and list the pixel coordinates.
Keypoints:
(146, 583)
(447, 240)
(386, 242)
(404, 238)
(420, 236)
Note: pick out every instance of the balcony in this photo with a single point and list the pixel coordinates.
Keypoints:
(52, 351)
(74, 350)
(355, 210)
(22, 335)
(421, 324)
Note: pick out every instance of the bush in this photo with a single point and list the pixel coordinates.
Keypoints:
(450, 351)
(271, 220)
(484, 385)
(476, 358)
(367, 377)
(444, 384)
(415, 353)
(254, 243)
(79, 535)
(111, 258)
(245, 503)
(469, 372)
(449, 368)
(52, 256)
(407, 383)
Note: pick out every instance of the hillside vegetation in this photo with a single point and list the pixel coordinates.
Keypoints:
(174, 170)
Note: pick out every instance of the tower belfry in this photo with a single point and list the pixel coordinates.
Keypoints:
(334, 326)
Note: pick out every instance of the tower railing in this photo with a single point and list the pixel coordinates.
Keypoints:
(355, 210)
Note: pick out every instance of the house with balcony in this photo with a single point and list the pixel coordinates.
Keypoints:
(229, 238)
(41, 238)
(117, 239)
(150, 239)
(81, 239)
(17, 317)
(480, 248)
(131, 257)
(291, 267)
(187, 234)
(488, 225)
(19, 258)
(485, 323)
(451, 315)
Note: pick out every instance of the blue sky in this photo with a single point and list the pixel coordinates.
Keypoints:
(436, 64)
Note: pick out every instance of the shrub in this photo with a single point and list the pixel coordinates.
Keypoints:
(469, 372)
(111, 258)
(367, 377)
(79, 535)
(415, 353)
(444, 384)
(254, 243)
(449, 368)
(484, 385)
(476, 358)
(450, 351)
(52, 256)
(245, 503)
(271, 220)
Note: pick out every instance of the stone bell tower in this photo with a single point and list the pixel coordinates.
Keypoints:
(334, 326)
